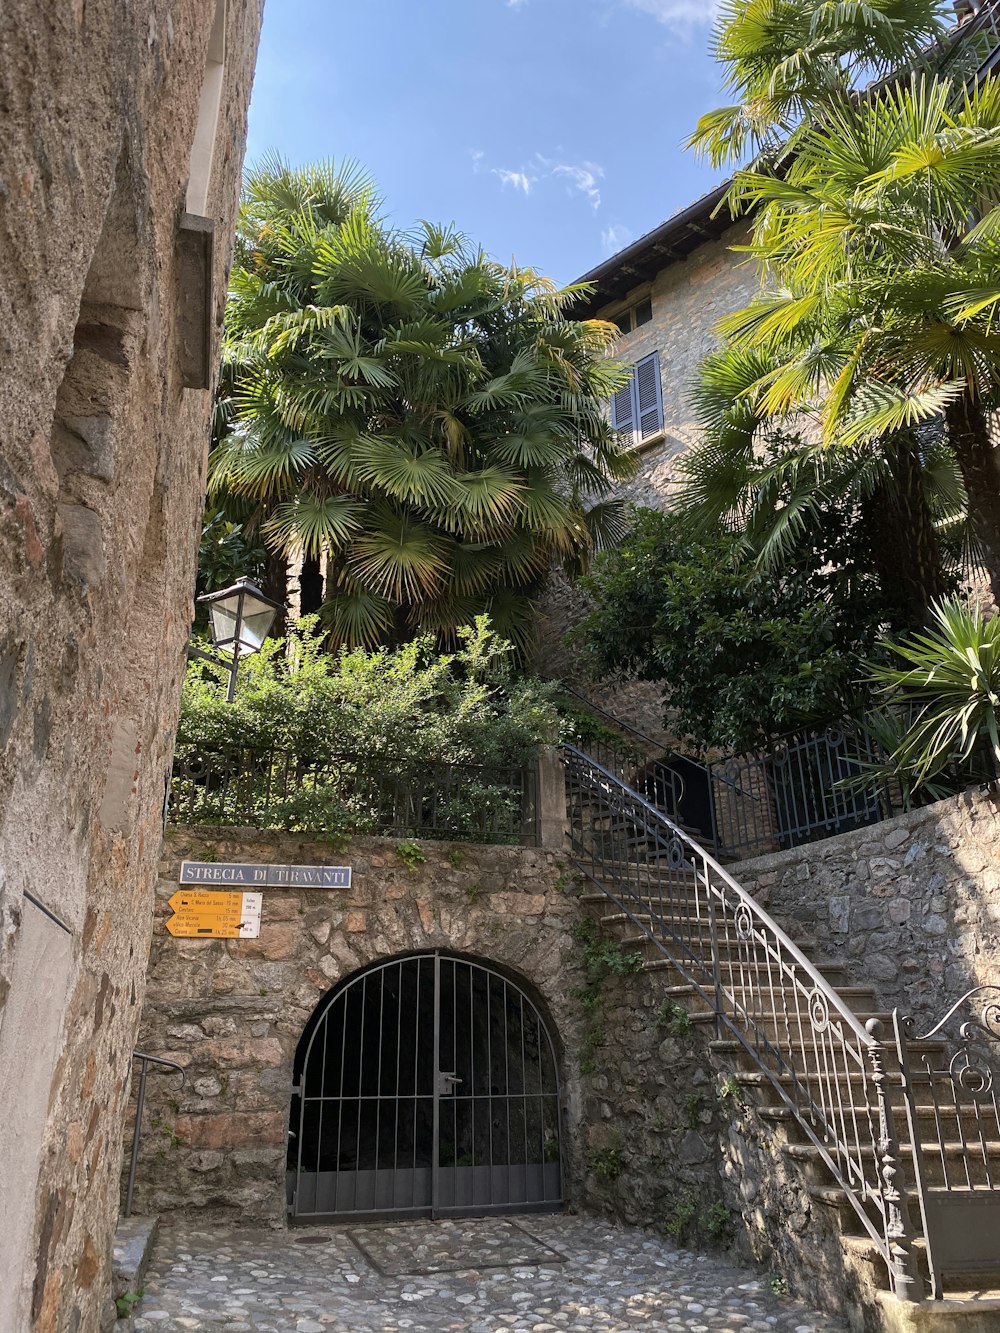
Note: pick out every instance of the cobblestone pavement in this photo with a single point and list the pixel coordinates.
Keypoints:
(581, 1276)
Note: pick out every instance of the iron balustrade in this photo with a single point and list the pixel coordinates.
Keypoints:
(807, 786)
(953, 1119)
(640, 761)
(140, 1101)
(360, 794)
(828, 1068)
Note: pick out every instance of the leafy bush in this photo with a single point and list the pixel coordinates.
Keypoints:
(743, 654)
(349, 744)
(411, 703)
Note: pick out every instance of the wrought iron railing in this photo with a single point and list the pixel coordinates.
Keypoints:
(640, 761)
(353, 794)
(828, 1068)
(954, 1131)
(144, 1062)
(807, 786)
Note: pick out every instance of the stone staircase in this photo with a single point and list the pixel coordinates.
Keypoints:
(813, 1055)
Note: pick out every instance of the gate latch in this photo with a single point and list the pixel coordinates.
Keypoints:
(446, 1083)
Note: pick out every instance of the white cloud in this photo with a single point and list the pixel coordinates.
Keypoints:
(615, 237)
(677, 13)
(583, 178)
(580, 178)
(520, 180)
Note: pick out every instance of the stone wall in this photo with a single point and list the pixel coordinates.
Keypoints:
(688, 298)
(231, 1012)
(641, 1113)
(911, 905)
(103, 316)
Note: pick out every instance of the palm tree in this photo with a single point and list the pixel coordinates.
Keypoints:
(783, 58)
(883, 241)
(774, 481)
(428, 423)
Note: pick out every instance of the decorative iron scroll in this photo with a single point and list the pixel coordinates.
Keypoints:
(949, 1078)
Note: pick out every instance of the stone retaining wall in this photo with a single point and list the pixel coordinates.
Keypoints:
(105, 421)
(912, 905)
(640, 1109)
(231, 1011)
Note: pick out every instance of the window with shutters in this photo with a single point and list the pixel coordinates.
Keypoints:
(638, 404)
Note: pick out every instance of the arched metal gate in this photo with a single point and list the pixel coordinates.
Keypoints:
(425, 1086)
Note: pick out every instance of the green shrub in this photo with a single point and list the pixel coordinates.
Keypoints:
(348, 744)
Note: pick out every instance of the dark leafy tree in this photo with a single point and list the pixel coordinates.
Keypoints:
(742, 653)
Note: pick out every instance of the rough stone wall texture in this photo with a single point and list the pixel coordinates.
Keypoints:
(640, 1126)
(688, 299)
(231, 1012)
(656, 1132)
(654, 1120)
(102, 455)
(911, 905)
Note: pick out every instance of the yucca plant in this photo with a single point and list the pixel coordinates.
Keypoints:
(950, 683)
(427, 422)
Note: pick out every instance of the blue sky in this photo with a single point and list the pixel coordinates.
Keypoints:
(550, 130)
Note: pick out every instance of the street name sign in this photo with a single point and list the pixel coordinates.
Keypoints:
(252, 875)
(207, 915)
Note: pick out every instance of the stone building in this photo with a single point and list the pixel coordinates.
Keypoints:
(124, 130)
(666, 292)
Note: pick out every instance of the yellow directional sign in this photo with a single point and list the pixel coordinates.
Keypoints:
(204, 914)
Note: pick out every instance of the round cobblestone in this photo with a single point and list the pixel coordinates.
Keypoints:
(415, 1278)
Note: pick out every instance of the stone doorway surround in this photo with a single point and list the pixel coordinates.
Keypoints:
(231, 1012)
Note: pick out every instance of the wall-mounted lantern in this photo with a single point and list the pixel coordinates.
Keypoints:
(239, 620)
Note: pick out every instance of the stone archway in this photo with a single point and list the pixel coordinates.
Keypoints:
(426, 1084)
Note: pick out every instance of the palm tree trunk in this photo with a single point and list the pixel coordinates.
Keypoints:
(276, 587)
(969, 434)
(310, 586)
(905, 547)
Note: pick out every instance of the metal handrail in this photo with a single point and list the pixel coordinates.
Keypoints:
(618, 723)
(675, 780)
(759, 984)
(147, 1060)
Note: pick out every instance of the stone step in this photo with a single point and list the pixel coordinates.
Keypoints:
(971, 1173)
(685, 901)
(697, 935)
(968, 1116)
(732, 1048)
(133, 1245)
(833, 973)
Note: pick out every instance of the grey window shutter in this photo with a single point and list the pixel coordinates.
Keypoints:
(623, 406)
(649, 401)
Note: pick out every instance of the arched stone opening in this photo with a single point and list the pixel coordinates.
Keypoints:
(426, 1084)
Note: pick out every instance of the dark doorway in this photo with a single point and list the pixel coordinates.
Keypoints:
(424, 1086)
